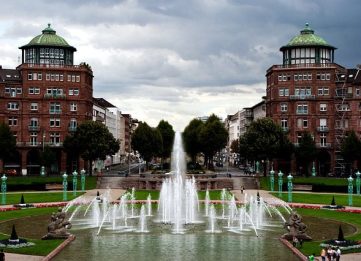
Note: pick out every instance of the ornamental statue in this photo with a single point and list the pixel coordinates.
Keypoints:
(296, 228)
(57, 229)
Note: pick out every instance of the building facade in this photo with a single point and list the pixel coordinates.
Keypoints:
(43, 100)
(310, 92)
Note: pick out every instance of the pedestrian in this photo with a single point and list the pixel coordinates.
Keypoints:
(311, 257)
(242, 189)
(2, 255)
(338, 254)
(323, 254)
(329, 253)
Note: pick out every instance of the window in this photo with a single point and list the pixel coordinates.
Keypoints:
(30, 76)
(323, 76)
(54, 122)
(305, 91)
(61, 77)
(69, 78)
(55, 108)
(323, 91)
(340, 124)
(48, 76)
(323, 124)
(283, 92)
(33, 138)
(302, 109)
(73, 78)
(284, 124)
(283, 107)
(78, 78)
(357, 91)
(13, 106)
(34, 90)
(55, 138)
(13, 121)
(34, 122)
(323, 107)
(323, 140)
(40, 76)
(73, 106)
(73, 91)
(54, 91)
(34, 106)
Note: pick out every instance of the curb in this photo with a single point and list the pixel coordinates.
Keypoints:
(57, 250)
(294, 250)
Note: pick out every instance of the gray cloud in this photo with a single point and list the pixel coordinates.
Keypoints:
(174, 58)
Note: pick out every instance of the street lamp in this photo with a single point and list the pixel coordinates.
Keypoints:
(3, 189)
(280, 183)
(65, 187)
(42, 169)
(290, 187)
(272, 178)
(350, 190)
(358, 181)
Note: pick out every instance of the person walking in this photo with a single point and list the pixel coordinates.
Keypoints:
(2, 255)
(323, 254)
(338, 254)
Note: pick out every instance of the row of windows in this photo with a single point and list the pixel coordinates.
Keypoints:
(302, 108)
(36, 76)
(34, 122)
(304, 77)
(307, 91)
(36, 90)
(303, 123)
(34, 106)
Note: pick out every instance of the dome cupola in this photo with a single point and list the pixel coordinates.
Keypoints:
(307, 48)
(48, 48)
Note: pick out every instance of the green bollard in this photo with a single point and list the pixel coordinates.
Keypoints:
(65, 187)
(290, 187)
(82, 179)
(313, 169)
(280, 183)
(75, 182)
(358, 181)
(350, 190)
(272, 178)
(3, 189)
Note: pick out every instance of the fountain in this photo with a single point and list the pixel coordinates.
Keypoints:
(178, 213)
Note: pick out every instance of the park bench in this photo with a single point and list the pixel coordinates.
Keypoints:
(54, 186)
(302, 187)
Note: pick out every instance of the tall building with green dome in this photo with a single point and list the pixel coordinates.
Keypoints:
(43, 100)
(310, 92)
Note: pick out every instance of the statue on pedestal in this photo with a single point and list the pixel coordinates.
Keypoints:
(58, 226)
(296, 228)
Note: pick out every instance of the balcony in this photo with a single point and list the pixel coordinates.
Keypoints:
(33, 128)
(302, 97)
(72, 128)
(302, 112)
(52, 144)
(323, 145)
(323, 129)
(54, 96)
(33, 144)
(54, 111)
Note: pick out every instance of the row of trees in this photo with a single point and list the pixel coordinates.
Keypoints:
(207, 137)
(266, 141)
(153, 142)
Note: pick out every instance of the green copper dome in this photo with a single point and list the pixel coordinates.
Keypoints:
(307, 38)
(49, 38)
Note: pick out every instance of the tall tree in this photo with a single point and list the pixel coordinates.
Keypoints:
(351, 147)
(147, 141)
(235, 146)
(306, 151)
(47, 157)
(264, 140)
(167, 133)
(191, 140)
(213, 137)
(7, 143)
(93, 141)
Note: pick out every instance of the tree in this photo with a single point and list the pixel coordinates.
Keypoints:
(235, 146)
(167, 133)
(213, 137)
(264, 140)
(351, 148)
(147, 141)
(306, 151)
(7, 143)
(92, 140)
(47, 157)
(191, 140)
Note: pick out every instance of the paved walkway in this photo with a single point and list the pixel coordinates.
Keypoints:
(18, 257)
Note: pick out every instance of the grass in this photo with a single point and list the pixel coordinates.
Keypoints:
(314, 246)
(324, 199)
(41, 197)
(41, 247)
(322, 181)
(90, 182)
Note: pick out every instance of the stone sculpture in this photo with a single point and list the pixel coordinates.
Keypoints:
(296, 228)
(58, 226)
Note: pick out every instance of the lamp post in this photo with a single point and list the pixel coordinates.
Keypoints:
(3, 189)
(272, 178)
(280, 183)
(65, 187)
(290, 187)
(42, 169)
(75, 182)
(350, 190)
(82, 179)
(313, 169)
(257, 168)
(358, 182)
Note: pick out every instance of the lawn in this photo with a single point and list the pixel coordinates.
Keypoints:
(42, 247)
(314, 246)
(38, 197)
(324, 199)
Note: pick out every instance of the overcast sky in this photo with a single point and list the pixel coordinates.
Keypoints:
(180, 59)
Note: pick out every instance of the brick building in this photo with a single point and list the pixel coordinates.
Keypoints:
(310, 92)
(43, 100)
